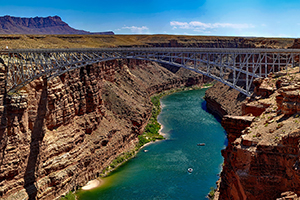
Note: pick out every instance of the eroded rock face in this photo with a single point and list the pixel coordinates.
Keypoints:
(235, 125)
(224, 100)
(260, 170)
(59, 134)
(288, 99)
(262, 161)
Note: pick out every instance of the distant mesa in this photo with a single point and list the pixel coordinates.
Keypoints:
(41, 25)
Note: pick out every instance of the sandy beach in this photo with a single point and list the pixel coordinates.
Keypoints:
(98, 182)
(160, 131)
(92, 184)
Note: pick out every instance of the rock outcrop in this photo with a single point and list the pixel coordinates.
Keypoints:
(57, 135)
(235, 125)
(262, 161)
(223, 100)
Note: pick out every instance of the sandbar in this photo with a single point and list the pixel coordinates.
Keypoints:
(92, 184)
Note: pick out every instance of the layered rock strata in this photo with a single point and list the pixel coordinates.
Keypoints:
(57, 135)
(262, 161)
(223, 100)
(235, 125)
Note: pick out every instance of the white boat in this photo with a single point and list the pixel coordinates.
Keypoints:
(190, 170)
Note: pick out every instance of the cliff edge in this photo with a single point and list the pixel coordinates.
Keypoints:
(224, 100)
(262, 159)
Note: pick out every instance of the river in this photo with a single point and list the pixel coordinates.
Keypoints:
(161, 172)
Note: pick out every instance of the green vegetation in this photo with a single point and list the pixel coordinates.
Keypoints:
(208, 84)
(122, 158)
(151, 132)
(279, 125)
(211, 193)
(266, 124)
(16, 93)
(69, 196)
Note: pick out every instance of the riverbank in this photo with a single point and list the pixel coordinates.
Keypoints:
(163, 168)
(93, 184)
(153, 130)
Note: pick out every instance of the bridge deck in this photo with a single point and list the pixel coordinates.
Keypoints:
(236, 67)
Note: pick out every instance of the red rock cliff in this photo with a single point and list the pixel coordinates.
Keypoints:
(224, 100)
(262, 161)
(59, 134)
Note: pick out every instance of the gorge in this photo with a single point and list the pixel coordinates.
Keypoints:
(60, 134)
(56, 135)
(159, 170)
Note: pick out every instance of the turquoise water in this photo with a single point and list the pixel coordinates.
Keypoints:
(161, 172)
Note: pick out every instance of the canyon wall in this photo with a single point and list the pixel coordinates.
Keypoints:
(224, 100)
(262, 158)
(56, 135)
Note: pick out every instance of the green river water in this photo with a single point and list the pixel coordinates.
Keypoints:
(161, 172)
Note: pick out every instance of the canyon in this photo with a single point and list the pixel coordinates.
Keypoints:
(58, 134)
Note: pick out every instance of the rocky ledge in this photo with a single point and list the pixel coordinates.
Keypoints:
(223, 100)
(262, 159)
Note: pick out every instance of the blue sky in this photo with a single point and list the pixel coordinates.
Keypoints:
(266, 18)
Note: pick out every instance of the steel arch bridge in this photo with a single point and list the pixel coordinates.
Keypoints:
(236, 67)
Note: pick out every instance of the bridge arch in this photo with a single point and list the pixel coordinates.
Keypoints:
(234, 67)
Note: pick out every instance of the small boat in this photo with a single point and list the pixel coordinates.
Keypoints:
(201, 144)
(190, 170)
(146, 150)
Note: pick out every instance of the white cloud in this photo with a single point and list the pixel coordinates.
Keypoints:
(136, 29)
(205, 27)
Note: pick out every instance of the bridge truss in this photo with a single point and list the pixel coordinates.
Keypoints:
(235, 67)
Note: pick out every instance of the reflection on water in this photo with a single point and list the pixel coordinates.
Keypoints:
(161, 172)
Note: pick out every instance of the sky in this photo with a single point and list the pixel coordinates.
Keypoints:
(251, 18)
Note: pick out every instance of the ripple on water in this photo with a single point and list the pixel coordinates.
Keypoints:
(161, 173)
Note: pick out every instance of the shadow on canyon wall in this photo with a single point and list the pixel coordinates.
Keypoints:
(37, 136)
(3, 133)
(3, 120)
